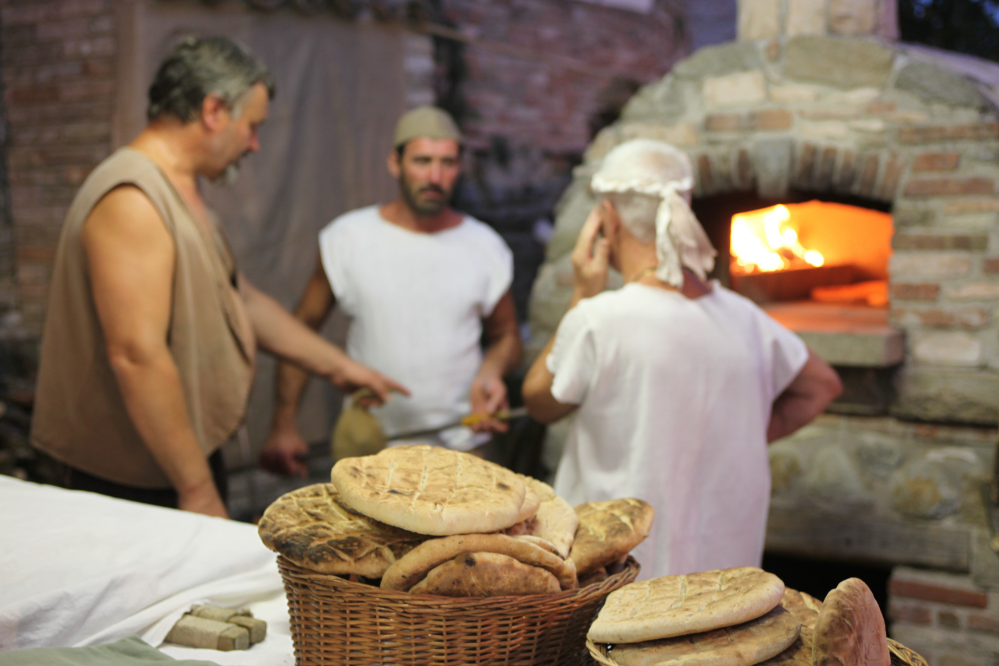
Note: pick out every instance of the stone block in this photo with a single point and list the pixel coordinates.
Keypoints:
(833, 482)
(890, 177)
(678, 134)
(974, 291)
(925, 490)
(739, 88)
(945, 187)
(929, 264)
(827, 165)
(661, 100)
(793, 93)
(804, 164)
(718, 61)
(936, 133)
(934, 84)
(758, 19)
(805, 17)
(936, 162)
(847, 171)
(772, 164)
(966, 318)
(930, 241)
(913, 215)
(866, 536)
(990, 265)
(764, 119)
(947, 394)
(985, 573)
(868, 125)
(859, 63)
(867, 174)
(971, 206)
(852, 17)
(947, 348)
(829, 129)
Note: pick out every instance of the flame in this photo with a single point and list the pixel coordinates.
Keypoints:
(762, 240)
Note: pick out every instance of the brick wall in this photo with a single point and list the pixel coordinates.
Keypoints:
(949, 619)
(537, 67)
(58, 72)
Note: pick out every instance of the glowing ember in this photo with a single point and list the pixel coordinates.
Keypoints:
(762, 240)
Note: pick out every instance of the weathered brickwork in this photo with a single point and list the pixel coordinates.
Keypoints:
(947, 618)
(556, 58)
(58, 69)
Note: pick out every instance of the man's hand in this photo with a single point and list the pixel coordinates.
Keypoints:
(284, 452)
(591, 257)
(488, 396)
(204, 499)
(349, 376)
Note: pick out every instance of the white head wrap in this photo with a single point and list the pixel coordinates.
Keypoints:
(657, 169)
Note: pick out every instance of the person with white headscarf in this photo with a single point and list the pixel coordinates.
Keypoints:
(676, 384)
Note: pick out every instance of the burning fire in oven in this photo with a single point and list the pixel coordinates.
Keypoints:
(815, 250)
(762, 240)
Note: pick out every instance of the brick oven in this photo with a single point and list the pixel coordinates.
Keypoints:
(883, 157)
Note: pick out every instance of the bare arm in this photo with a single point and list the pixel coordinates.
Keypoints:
(811, 391)
(131, 259)
(503, 353)
(285, 449)
(590, 260)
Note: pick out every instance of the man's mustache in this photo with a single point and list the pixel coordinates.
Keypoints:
(432, 188)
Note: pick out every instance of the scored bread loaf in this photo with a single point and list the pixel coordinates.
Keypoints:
(486, 575)
(314, 529)
(678, 605)
(432, 490)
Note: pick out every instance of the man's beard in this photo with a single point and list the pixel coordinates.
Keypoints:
(228, 176)
(426, 208)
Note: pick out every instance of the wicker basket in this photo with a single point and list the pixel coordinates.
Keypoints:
(337, 622)
(900, 655)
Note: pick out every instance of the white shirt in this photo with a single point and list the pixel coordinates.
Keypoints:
(675, 396)
(416, 303)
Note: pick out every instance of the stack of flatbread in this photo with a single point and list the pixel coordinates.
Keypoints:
(740, 617)
(429, 520)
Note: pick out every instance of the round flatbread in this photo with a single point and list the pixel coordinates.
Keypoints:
(431, 490)
(555, 520)
(608, 531)
(850, 628)
(679, 605)
(805, 609)
(744, 644)
(314, 529)
(410, 570)
(486, 575)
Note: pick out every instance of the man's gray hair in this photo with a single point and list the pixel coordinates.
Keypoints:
(200, 66)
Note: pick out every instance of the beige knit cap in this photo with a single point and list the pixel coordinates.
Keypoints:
(427, 122)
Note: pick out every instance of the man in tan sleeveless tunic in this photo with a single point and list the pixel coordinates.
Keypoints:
(149, 345)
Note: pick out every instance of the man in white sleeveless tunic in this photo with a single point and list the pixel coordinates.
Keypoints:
(151, 332)
(676, 385)
(420, 283)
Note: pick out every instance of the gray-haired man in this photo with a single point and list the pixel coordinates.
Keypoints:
(150, 342)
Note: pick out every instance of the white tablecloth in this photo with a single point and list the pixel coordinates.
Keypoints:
(81, 569)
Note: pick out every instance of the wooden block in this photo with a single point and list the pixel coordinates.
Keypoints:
(257, 628)
(199, 632)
